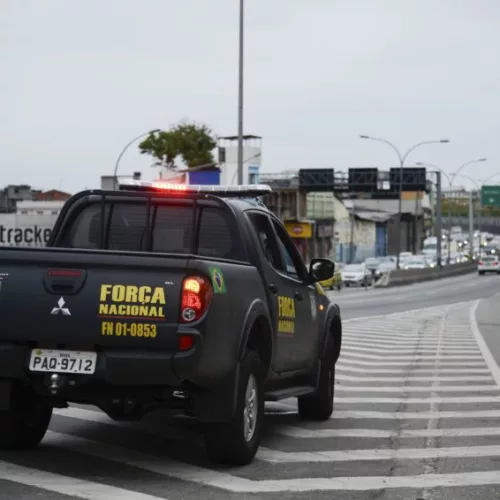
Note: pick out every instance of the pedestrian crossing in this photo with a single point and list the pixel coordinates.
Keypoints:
(417, 411)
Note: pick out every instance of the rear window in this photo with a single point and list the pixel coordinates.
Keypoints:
(489, 259)
(171, 230)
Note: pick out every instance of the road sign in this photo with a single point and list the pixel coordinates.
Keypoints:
(316, 180)
(490, 196)
(363, 179)
(414, 179)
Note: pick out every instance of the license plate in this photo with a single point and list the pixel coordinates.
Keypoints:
(48, 360)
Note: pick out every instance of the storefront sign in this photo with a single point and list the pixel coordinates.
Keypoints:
(26, 230)
(35, 236)
(299, 229)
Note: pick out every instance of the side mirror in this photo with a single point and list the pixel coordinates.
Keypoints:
(321, 269)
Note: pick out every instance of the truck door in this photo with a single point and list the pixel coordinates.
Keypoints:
(286, 295)
(306, 335)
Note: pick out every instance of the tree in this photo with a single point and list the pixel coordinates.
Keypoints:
(192, 142)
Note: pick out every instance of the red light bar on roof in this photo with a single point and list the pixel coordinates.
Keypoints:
(243, 190)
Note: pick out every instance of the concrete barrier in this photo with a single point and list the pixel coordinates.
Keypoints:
(407, 277)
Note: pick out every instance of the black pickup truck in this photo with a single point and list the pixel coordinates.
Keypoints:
(159, 298)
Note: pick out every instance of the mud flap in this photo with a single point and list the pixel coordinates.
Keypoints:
(218, 404)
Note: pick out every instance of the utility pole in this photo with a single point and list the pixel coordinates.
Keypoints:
(471, 224)
(240, 96)
(453, 175)
(439, 219)
(416, 226)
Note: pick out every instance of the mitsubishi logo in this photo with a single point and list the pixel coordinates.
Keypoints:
(60, 309)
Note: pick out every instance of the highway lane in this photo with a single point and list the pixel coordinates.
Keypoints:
(355, 302)
(417, 415)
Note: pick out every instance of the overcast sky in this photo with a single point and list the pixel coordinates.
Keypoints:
(80, 78)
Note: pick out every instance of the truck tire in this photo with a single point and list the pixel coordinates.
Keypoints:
(24, 425)
(319, 406)
(236, 442)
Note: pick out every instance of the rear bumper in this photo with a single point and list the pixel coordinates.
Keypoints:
(121, 371)
(114, 367)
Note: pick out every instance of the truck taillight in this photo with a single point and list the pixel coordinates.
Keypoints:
(197, 293)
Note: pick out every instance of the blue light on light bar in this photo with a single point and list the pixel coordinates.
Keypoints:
(243, 190)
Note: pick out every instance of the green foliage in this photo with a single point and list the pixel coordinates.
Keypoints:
(192, 142)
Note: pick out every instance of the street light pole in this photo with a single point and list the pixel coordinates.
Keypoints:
(453, 175)
(402, 159)
(439, 212)
(240, 95)
(115, 178)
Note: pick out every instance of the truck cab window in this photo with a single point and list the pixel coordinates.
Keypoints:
(172, 229)
(267, 239)
(214, 237)
(291, 258)
(127, 227)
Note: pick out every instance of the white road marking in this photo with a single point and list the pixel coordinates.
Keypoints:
(299, 433)
(470, 378)
(403, 314)
(488, 357)
(411, 388)
(422, 357)
(368, 371)
(414, 351)
(431, 344)
(237, 484)
(275, 456)
(409, 415)
(429, 400)
(372, 483)
(66, 485)
(152, 463)
(346, 362)
(406, 337)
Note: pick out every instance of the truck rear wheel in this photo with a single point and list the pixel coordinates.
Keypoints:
(319, 406)
(236, 442)
(24, 425)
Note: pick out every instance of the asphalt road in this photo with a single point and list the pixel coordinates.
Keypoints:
(417, 416)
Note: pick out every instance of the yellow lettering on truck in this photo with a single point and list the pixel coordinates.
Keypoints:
(131, 301)
(286, 315)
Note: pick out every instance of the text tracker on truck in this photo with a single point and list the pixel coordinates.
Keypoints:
(191, 299)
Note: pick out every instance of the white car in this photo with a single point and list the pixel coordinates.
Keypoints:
(488, 264)
(415, 263)
(356, 275)
(403, 258)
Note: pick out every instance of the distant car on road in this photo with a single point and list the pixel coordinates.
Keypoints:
(403, 258)
(388, 264)
(488, 264)
(372, 264)
(356, 275)
(415, 263)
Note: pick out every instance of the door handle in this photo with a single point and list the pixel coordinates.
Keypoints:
(273, 288)
(298, 296)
